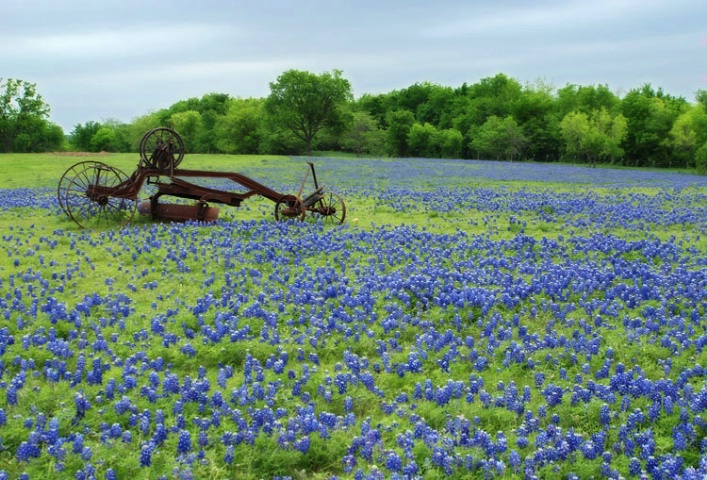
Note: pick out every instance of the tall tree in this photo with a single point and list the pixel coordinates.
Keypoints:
(363, 135)
(22, 110)
(499, 137)
(533, 110)
(687, 134)
(239, 131)
(650, 115)
(585, 98)
(82, 134)
(189, 125)
(303, 103)
(596, 137)
(575, 129)
(399, 124)
(449, 143)
(422, 140)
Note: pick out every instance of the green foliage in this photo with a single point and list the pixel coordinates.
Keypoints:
(400, 123)
(597, 136)
(109, 136)
(688, 133)
(585, 99)
(104, 140)
(701, 159)
(495, 117)
(650, 115)
(82, 136)
(427, 141)
(449, 143)
(189, 124)
(23, 124)
(421, 140)
(240, 129)
(303, 103)
(499, 138)
(364, 136)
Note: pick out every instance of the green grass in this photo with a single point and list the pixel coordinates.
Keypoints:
(91, 257)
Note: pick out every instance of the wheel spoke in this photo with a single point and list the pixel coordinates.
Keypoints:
(88, 198)
(160, 146)
(331, 209)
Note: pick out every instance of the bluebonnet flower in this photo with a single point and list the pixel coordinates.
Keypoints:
(605, 414)
(393, 462)
(184, 442)
(228, 456)
(146, 455)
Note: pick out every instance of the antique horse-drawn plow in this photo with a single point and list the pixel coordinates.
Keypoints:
(94, 194)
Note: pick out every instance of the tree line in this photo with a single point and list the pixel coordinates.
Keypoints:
(494, 118)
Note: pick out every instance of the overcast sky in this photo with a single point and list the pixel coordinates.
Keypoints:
(94, 60)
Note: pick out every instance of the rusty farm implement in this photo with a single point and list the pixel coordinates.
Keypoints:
(94, 194)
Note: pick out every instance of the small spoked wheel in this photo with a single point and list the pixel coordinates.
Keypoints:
(161, 148)
(289, 210)
(69, 175)
(331, 209)
(98, 196)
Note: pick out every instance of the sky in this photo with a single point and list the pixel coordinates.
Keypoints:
(102, 60)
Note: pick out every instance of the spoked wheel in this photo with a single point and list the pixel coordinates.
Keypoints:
(331, 209)
(289, 210)
(99, 196)
(161, 148)
(68, 176)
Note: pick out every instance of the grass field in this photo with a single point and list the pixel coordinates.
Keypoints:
(469, 320)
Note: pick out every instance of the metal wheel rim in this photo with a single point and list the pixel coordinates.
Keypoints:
(155, 137)
(98, 213)
(282, 218)
(68, 175)
(332, 201)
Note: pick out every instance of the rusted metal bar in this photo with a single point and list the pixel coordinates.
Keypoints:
(88, 188)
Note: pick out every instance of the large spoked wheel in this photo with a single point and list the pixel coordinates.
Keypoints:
(289, 210)
(331, 209)
(161, 148)
(69, 174)
(99, 196)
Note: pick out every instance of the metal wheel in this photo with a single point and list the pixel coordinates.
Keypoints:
(331, 208)
(99, 196)
(161, 148)
(289, 210)
(69, 174)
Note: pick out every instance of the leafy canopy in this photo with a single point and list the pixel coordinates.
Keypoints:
(303, 103)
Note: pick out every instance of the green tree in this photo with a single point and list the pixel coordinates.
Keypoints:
(688, 133)
(575, 129)
(104, 140)
(240, 130)
(650, 115)
(422, 140)
(492, 96)
(363, 135)
(22, 111)
(303, 103)
(377, 106)
(499, 138)
(449, 143)
(82, 136)
(534, 112)
(596, 137)
(139, 127)
(399, 124)
(700, 158)
(586, 99)
(188, 124)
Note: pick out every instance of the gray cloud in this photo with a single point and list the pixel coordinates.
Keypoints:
(124, 58)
